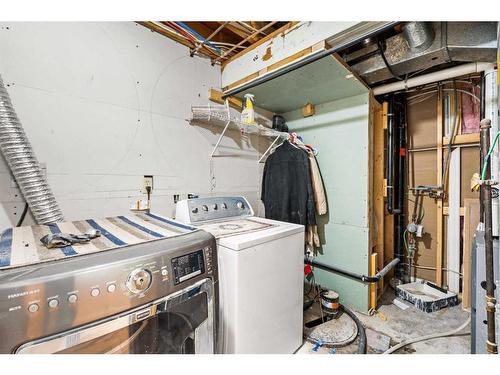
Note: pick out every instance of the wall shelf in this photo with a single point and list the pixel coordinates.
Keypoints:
(220, 115)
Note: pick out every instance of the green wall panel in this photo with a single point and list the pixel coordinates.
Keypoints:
(339, 130)
(322, 81)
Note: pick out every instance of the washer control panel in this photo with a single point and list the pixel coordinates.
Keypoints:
(199, 210)
(138, 281)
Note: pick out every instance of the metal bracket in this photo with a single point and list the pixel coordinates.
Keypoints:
(269, 148)
(226, 103)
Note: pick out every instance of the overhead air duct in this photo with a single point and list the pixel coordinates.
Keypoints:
(418, 35)
(421, 46)
(24, 165)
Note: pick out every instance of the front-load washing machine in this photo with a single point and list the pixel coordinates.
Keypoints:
(260, 264)
(147, 285)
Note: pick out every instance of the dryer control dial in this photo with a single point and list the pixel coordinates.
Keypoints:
(139, 280)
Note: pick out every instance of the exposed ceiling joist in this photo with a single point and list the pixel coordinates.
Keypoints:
(217, 40)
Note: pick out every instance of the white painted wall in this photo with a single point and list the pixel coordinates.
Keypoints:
(104, 104)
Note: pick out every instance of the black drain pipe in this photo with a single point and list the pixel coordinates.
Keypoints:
(399, 188)
(488, 239)
(353, 275)
(395, 174)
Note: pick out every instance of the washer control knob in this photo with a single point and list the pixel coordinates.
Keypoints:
(53, 303)
(139, 280)
(204, 207)
(240, 205)
(224, 206)
(72, 298)
(111, 288)
(215, 207)
(33, 308)
(194, 210)
(95, 292)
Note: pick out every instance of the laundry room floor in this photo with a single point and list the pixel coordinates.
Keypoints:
(400, 325)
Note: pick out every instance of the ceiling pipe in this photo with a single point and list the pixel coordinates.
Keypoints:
(476, 67)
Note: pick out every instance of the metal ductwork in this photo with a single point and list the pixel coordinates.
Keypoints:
(24, 165)
(421, 46)
(418, 35)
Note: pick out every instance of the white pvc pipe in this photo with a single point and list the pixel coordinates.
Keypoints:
(441, 75)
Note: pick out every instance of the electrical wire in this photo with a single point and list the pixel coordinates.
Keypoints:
(406, 241)
(433, 268)
(180, 32)
(188, 29)
(429, 337)
(432, 94)
(23, 215)
(388, 66)
(488, 156)
(452, 137)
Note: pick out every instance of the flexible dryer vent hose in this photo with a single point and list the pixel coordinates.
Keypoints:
(24, 165)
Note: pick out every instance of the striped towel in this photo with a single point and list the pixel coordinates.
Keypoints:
(21, 246)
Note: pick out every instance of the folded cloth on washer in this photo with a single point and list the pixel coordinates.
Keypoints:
(51, 241)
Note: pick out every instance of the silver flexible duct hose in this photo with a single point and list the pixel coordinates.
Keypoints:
(22, 161)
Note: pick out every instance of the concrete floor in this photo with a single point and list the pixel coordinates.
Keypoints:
(402, 325)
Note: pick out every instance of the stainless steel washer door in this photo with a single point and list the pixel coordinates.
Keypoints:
(180, 323)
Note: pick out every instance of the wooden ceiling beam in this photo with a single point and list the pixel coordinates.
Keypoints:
(244, 40)
(282, 29)
(253, 26)
(241, 33)
(170, 34)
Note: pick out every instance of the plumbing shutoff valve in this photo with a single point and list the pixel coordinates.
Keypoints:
(416, 229)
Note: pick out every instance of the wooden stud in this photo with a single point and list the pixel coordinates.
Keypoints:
(471, 220)
(385, 106)
(284, 29)
(380, 185)
(216, 96)
(462, 139)
(373, 286)
(296, 56)
(308, 110)
(241, 33)
(439, 178)
(165, 32)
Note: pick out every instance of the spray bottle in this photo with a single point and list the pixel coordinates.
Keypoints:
(248, 113)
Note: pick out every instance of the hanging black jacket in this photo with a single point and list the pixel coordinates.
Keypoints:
(286, 186)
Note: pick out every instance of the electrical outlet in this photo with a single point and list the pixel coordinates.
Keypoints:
(147, 181)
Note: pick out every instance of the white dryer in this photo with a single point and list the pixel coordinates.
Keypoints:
(260, 265)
